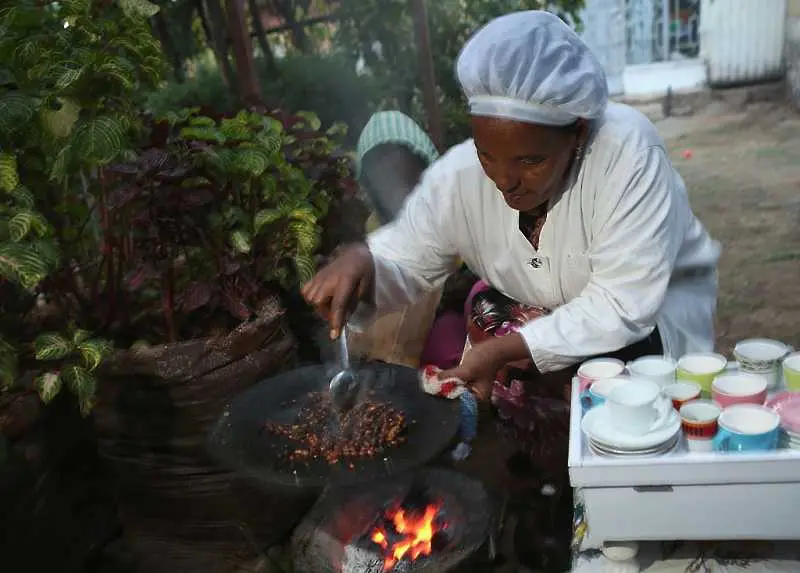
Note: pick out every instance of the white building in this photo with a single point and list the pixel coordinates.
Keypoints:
(648, 46)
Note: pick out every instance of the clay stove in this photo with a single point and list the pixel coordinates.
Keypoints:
(431, 521)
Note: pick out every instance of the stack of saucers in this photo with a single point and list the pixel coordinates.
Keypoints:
(606, 440)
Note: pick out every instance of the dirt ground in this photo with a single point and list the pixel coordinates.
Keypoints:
(742, 171)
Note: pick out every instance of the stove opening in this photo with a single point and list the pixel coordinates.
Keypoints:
(410, 529)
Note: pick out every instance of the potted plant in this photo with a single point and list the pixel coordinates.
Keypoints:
(145, 262)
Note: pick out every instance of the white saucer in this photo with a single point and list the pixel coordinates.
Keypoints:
(596, 424)
(666, 448)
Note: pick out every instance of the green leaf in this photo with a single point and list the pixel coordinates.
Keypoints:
(304, 264)
(98, 140)
(52, 346)
(338, 129)
(310, 119)
(305, 234)
(93, 352)
(202, 133)
(80, 381)
(23, 197)
(138, 8)
(19, 225)
(270, 141)
(16, 110)
(241, 241)
(21, 262)
(235, 129)
(80, 335)
(9, 177)
(251, 161)
(305, 214)
(265, 217)
(48, 385)
(68, 74)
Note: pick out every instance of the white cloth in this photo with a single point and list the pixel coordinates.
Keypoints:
(620, 251)
(530, 66)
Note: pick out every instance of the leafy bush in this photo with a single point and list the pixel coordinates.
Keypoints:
(216, 213)
(70, 77)
(328, 86)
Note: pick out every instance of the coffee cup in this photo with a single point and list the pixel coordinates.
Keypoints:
(701, 368)
(791, 372)
(699, 424)
(658, 369)
(638, 407)
(739, 388)
(761, 356)
(599, 390)
(682, 392)
(598, 369)
(747, 428)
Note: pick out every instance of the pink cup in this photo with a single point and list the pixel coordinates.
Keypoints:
(739, 388)
(598, 369)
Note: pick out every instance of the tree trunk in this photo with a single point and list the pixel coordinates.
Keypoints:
(261, 38)
(215, 19)
(161, 30)
(422, 35)
(249, 88)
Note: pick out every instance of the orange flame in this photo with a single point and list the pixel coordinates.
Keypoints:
(417, 535)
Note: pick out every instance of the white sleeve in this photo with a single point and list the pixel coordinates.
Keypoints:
(414, 254)
(636, 238)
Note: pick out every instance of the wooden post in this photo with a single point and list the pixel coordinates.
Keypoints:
(423, 39)
(249, 88)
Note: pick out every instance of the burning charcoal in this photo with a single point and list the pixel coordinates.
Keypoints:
(367, 430)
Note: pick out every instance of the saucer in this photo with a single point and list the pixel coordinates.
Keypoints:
(596, 424)
(608, 452)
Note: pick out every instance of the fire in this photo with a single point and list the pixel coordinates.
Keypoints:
(406, 534)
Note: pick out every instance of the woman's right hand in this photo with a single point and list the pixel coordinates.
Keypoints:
(338, 287)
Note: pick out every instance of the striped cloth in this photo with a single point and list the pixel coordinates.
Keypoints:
(394, 127)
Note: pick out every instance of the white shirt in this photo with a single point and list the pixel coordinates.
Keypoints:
(620, 252)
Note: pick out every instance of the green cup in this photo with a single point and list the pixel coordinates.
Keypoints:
(701, 368)
(791, 372)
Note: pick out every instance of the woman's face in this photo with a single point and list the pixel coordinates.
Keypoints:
(527, 162)
(389, 173)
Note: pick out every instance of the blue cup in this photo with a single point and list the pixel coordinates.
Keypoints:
(596, 394)
(747, 428)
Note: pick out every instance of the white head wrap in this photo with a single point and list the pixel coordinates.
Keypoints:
(530, 66)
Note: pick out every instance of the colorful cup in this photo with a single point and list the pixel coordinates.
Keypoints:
(747, 428)
(701, 368)
(599, 391)
(699, 424)
(682, 392)
(761, 356)
(658, 369)
(638, 407)
(598, 369)
(791, 372)
(739, 388)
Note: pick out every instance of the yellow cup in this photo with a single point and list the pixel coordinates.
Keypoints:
(791, 372)
(701, 368)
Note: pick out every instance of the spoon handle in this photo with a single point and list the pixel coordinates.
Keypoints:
(344, 353)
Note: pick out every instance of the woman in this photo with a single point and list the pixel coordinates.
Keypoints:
(392, 153)
(568, 206)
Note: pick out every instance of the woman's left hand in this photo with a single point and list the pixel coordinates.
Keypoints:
(483, 361)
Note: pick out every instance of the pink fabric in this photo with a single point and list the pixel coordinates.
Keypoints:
(445, 341)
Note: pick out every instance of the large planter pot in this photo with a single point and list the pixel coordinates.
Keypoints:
(181, 511)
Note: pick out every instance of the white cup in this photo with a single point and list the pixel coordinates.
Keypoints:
(658, 369)
(761, 356)
(638, 407)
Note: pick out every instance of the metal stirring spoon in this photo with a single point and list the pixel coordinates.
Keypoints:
(344, 386)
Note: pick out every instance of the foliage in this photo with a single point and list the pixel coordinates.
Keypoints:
(325, 85)
(70, 77)
(215, 213)
(381, 32)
